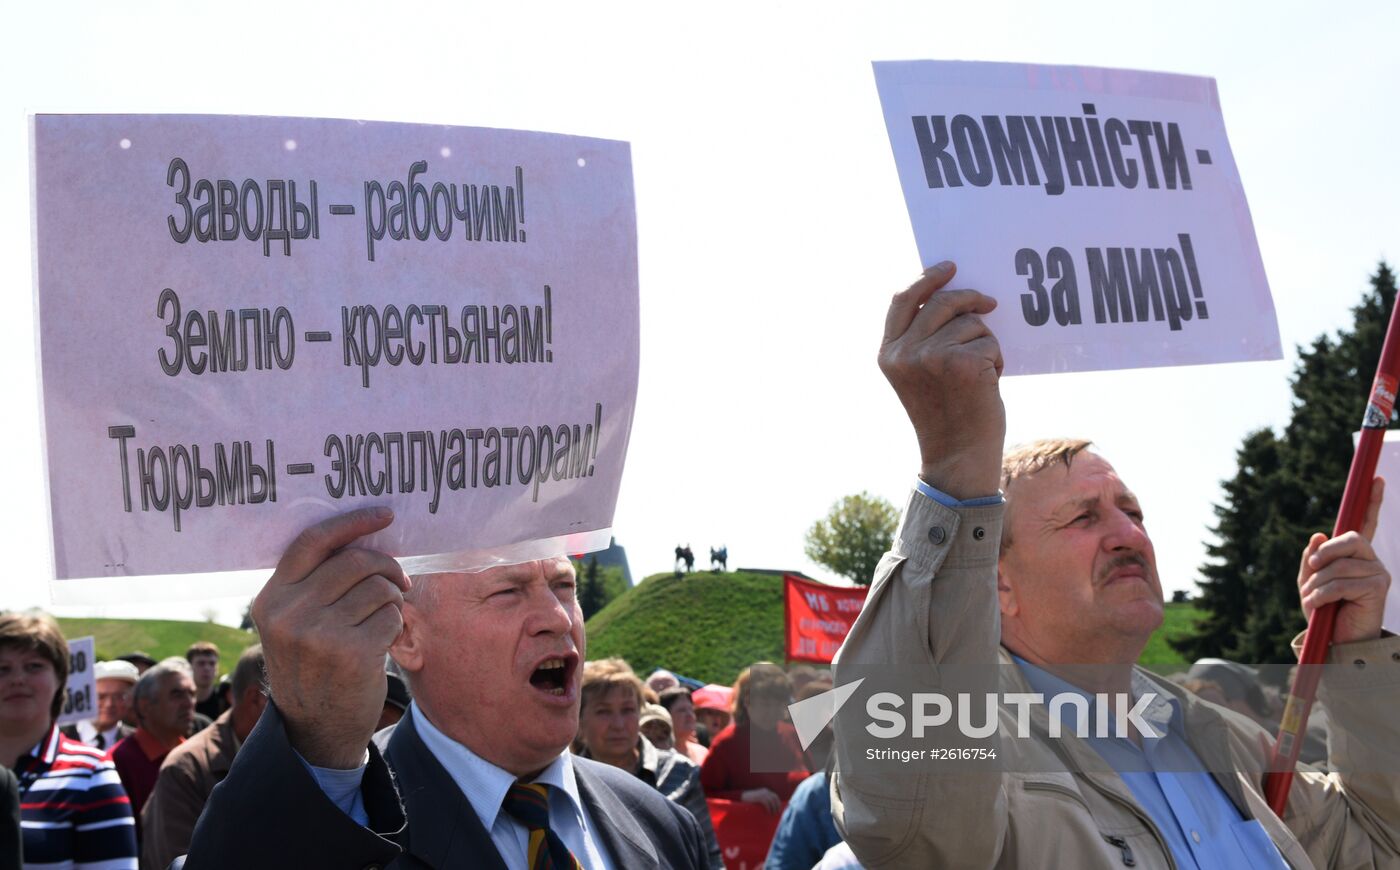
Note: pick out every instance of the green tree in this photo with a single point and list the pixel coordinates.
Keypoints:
(1228, 584)
(853, 536)
(592, 597)
(1286, 488)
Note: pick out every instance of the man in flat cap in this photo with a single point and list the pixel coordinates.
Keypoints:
(115, 681)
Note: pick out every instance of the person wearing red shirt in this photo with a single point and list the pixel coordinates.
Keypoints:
(164, 699)
(758, 758)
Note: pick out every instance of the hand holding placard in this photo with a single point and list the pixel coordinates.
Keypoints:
(945, 365)
(327, 617)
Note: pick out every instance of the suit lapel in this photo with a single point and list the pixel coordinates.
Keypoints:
(613, 821)
(443, 829)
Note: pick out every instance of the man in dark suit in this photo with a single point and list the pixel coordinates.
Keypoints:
(476, 774)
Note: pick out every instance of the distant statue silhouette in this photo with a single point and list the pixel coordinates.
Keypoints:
(685, 560)
(719, 557)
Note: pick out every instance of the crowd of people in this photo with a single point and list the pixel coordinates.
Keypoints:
(126, 787)
(135, 777)
(453, 720)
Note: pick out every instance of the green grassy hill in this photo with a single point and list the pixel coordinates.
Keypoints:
(706, 626)
(1179, 620)
(711, 626)
(159, 637)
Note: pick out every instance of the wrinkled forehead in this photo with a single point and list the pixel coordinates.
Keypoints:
(1047, 490)
(522, 572)
(174, 679)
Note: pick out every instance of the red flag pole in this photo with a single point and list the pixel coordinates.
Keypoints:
(1355, 499)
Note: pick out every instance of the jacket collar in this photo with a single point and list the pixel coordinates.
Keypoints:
(649, 761)
(1209, 737)
(443, 829)
(614, 824)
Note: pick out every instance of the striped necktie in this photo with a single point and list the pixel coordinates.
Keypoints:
(528, 804)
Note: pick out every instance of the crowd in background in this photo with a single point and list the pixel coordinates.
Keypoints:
(126, 787)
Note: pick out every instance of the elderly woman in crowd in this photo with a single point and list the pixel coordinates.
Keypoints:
(679, 704)
(72, 803)
(758, 737)
(656, 726)
(610, 731)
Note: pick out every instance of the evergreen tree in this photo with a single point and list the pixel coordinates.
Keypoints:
(591, 595)
(1287, 488)
(1228, 579)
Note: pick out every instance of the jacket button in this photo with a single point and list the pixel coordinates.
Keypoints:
(979, 533)
(937, 535)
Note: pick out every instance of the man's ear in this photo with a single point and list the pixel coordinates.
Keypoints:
(1006, 595)
(407, 649)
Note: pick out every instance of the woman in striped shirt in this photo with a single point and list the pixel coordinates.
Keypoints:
(73, 811)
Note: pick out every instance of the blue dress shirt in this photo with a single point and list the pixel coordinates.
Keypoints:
(1201, 825)
(947, 500)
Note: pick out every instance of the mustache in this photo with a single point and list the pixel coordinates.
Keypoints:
(1127, 560)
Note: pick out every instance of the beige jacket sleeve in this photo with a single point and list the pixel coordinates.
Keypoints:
(169, 816)
(1350, 816)
(933, 602)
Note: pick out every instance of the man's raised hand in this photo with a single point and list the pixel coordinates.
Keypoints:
(326, 617)
(945, 365)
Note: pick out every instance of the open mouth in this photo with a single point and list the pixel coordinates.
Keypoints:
(554, 675)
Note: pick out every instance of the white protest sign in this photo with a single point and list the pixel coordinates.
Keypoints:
(248, 324)
(81, 700)
(1102, 208)
(1387, 538)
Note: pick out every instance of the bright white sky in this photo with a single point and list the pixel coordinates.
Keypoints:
(771, 223)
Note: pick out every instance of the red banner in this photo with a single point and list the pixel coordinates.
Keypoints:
(744, 831)
(818, 617)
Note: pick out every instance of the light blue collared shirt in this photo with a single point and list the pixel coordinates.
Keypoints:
(1201, 825)
(485, 786)
(947, 500)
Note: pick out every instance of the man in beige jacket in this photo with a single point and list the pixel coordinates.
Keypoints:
(1064, 598)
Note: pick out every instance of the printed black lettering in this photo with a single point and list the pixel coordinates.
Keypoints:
(931, 133)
